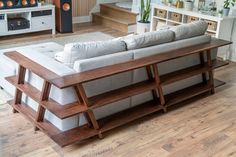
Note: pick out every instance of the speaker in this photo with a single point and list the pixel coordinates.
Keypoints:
(12, 4)
(63, 16)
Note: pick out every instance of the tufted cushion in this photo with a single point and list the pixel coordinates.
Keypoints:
(84, 50)
(189, 30)
(148, 39)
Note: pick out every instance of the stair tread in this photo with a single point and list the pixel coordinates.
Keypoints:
(116, 19)
(113, 6)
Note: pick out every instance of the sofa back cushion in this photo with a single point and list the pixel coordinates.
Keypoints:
(148, 39)
(84, 50)
(189, 30)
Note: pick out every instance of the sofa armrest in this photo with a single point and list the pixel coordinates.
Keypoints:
(48, 62)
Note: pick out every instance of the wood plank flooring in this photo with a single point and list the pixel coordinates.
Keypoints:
(203, 128)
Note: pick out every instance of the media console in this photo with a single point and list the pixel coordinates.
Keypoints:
(27, 20)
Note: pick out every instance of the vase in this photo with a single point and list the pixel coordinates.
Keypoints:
(143, 27)
(226, 11)
(188, 5)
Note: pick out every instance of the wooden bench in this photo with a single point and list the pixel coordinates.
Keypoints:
(86, 105)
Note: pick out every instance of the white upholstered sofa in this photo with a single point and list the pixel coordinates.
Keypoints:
(78, 57)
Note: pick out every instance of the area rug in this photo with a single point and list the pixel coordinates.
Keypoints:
(93, 36)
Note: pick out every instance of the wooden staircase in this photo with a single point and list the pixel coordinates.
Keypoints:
(116, 17)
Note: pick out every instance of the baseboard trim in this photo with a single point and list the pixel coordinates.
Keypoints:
(81, 19)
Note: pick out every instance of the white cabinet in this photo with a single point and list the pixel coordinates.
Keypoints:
(40, 18)
(41, 22)
(219, 27)
(3, 26)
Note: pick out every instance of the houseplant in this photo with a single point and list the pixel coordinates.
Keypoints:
(143, 25)
(220, 13)
(227, 4)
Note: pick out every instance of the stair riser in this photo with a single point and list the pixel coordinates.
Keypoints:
(106, 22)
(117, 13)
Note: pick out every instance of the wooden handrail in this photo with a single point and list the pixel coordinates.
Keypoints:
(73, 79)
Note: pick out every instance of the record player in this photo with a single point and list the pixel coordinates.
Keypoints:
(18, 23)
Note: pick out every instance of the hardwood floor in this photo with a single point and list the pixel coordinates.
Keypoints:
(203, 128)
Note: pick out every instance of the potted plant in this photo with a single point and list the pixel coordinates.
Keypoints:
(227, 4)
(188, 5)
(40, 3)
(220, 13)
(143, 25)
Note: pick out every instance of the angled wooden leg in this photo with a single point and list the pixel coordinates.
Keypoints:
(150, 77)
(202, 60)
(90, 115)
(44, 96)
(20, 80)
(80, 100)
(159, 88)
(211, 74)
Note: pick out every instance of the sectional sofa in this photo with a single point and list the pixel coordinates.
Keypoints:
(79, 57)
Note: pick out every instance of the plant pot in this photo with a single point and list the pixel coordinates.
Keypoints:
(188, 5)
(39, 4)
(142, 27)
(226, 11)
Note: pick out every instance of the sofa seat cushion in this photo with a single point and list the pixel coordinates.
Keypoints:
(85, 50)
(193, 29)
(148, 39)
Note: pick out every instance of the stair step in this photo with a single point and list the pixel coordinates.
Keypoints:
(117, 19)
(61, 111)
(113, 11)
(114, 7)
(122, 93)
(183, 74)
(120, 24)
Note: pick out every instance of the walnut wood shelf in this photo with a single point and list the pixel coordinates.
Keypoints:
(183, 74)
(30, 114)
(122, 93)
(187, 93)
(219, 63)
(61, 111)
(218, 83)
(86, 105)
(129, 115)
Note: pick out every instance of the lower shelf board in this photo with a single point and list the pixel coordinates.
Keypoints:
(218, 83)
(187, 93)
(128, 115)
(84, 132)
(219, 63)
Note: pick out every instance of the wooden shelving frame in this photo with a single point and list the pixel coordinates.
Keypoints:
(85, 104)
